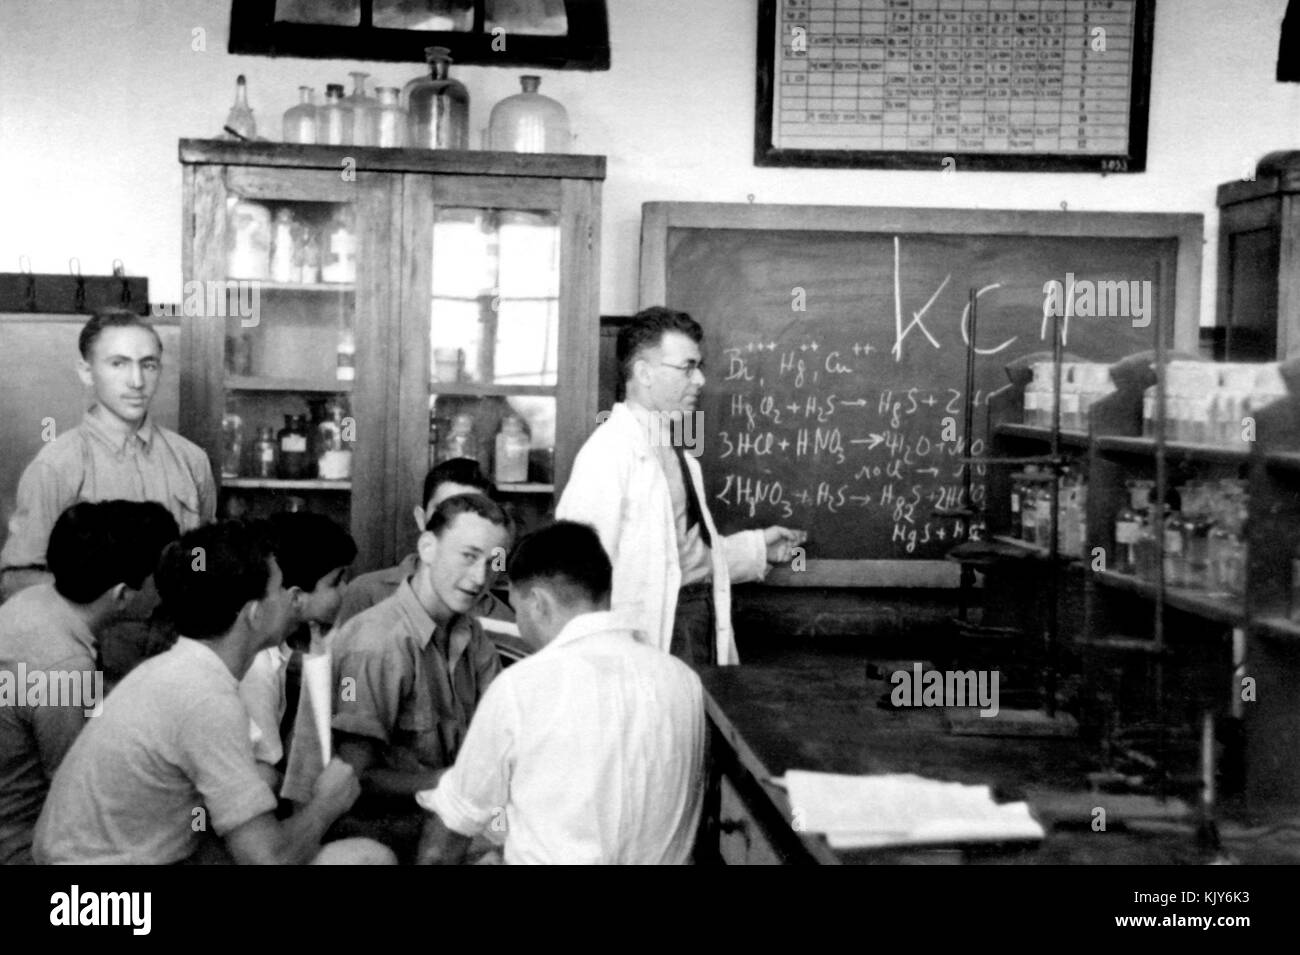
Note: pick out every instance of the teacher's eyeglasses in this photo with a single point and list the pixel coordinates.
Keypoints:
(691, 367)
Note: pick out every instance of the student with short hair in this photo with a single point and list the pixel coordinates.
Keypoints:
(100, 555)
(451, 477)
(409, 671)
(314, 554)
(169, 761)
(116, 453)
(589, 751)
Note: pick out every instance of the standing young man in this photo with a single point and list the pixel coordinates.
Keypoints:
(116, 453)
(635, 484)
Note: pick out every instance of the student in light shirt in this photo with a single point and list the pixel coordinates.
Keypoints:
(100, 554)
(589, 751)
(314, 554)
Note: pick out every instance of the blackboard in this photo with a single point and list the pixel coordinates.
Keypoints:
(835, 352)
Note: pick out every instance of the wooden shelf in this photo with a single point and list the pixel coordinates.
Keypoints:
(526, 488)
(1209, 606)
(467, 389)
(1283, 460)
(1029, 432)
(1278, 626)
(276, 484)
(264, 285)
(1147, 447)
(1032, 550)
(262, 383)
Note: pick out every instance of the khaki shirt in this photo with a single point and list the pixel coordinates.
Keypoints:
(93, 463)
(394, 684)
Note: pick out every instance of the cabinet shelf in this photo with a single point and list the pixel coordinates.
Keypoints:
(1278, 626)
(1029, 432)
(1032, 550)
(1146, 447)
(474, 390)
(268, 286)
(278, 484)
(326, 386)
(1217, 607)
(526, 488)
(1284, 461)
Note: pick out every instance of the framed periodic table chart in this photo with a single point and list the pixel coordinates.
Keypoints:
(1014, 85)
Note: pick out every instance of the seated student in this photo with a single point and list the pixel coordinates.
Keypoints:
(409, 671)
(593, 748)
(170, 760)
(313, 553)
(100, 555)
(452, 477)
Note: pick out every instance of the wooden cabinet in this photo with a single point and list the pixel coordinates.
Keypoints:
(416, 298)
(1259, 261)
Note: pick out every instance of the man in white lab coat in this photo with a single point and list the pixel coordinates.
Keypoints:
(635, 484)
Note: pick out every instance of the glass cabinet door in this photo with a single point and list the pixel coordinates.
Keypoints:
(492, 347)
(296, 412)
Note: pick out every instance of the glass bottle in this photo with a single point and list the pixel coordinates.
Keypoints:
(306, 254)
(1017, 491)
(1197, 523)
(1175, 568)
(282, 248)
(294, 460)
(512, 447)
(300, 120)
(437, 106)
(333, 456)
(347, 356)
(365, 111)
(232, 443)
(460, 441)
(1127, 524)
(1043, 515)
(1029, 506)
(390, 129)
(240, 117)
(529, 122)
(248, 254)
(265, 454)
(340, 259)
(334, 119)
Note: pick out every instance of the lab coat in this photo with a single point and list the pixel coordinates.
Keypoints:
(619, 488)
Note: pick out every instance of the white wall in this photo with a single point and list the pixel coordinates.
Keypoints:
(94, 95)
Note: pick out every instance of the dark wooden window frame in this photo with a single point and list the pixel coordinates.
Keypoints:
(253, 29)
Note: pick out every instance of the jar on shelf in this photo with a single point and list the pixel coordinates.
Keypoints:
(300, 120)
(333, 454)
(248, 255)
(365, 112)
(460, 441)
(529, 122)
(339, 263)
(346, 363)
(266, 454)
(334, 119)
(390, 126)
(512, 446)
(232, 443)
(282, 248)
(306, 254)
(239, 354)
(294, 458)
(437, 106)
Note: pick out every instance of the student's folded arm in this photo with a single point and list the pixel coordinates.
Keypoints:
(364, 755)
(440, 845)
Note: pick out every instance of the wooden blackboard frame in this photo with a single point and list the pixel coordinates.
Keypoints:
(1179, 317)
(766, 153)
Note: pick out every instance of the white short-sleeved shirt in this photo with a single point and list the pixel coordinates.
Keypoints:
(167, 761)
(589, 751)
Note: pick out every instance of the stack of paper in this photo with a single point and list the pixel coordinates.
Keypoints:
(903, 809)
